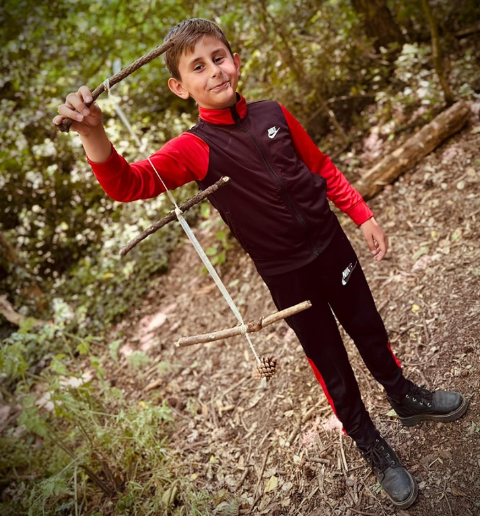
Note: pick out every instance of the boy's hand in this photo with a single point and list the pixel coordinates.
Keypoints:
(376, 238)
(86, 119)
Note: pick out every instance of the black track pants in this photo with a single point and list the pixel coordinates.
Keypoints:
(334, 282)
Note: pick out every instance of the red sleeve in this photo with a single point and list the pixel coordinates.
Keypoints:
(179, 161)
(339, 190)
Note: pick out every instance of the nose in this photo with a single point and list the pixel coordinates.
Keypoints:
(214, 70)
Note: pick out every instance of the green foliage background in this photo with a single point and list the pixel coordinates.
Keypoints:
(63, 233)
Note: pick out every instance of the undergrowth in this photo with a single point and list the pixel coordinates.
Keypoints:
(73, 444)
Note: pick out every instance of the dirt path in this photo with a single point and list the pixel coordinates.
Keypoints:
(279, 449)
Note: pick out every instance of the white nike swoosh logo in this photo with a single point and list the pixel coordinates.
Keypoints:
(347, 277)
(272, 134)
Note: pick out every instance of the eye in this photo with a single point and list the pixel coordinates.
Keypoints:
(198, 68)
(218, 59)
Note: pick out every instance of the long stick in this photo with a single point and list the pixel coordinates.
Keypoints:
(172, 215)
(250, 327)
(115, 79)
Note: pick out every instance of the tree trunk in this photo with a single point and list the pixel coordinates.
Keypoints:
(296, 68)
(413, 150)
(437, 53)
(379, 23)
(8, 254)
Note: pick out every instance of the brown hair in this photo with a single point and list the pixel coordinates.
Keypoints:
(186, 34)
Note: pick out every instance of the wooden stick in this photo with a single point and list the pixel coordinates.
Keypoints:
(172, 216)
(251, 327)
(115, 79)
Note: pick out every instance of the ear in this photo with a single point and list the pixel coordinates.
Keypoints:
(238, 63)
(177, 88)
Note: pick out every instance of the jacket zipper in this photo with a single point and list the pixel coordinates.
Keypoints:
(278, 180)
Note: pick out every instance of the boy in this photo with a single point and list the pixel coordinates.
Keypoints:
(276, 206)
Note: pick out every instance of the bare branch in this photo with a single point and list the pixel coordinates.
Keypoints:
(172, 216)
(115, 79)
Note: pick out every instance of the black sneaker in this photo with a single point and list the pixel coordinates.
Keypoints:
(396, 481)
(420, 404)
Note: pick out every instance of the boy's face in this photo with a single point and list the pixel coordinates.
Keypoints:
(209, 74)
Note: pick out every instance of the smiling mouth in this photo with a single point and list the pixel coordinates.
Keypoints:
(220, 86)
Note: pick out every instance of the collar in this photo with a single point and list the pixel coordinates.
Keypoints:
(226, 116)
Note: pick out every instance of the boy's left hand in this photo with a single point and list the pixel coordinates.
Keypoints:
(376, 238)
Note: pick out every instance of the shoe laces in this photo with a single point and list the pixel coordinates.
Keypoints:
(420, 395)
(380, 456)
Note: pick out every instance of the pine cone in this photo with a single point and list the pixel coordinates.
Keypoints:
(338, 487)
(267, 367)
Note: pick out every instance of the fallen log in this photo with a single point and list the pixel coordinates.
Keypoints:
(413, 150)
(7, 310)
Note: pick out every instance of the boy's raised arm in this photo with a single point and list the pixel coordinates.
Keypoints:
(179, 161)
(88, 123)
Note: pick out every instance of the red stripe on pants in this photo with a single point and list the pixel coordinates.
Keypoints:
(394, 356)
(325, 390)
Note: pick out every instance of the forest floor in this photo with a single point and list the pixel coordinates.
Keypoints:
(278, 450)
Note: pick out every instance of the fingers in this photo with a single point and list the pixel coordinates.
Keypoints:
(85, 94)
(76, 106)
(376, 239)
(379, 246)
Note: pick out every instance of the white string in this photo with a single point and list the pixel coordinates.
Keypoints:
(187, 229)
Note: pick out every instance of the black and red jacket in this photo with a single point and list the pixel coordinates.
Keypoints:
(276, 203)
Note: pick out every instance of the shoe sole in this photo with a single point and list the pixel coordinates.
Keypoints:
(411, 499)
(439, 418)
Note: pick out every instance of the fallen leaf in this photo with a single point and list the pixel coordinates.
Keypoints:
(457, 492)
(272, 484)
(169, 496)
(419, 253)
(424, 262)
(227, 508)
(157, 320)
(415, 308)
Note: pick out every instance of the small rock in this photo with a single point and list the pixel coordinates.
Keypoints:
(460, 185)
(465, 372)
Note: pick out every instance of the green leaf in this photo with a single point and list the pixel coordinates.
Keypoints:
(57, 366)
(419, 253)
(27, 324)
(113, 348)
(205, 210)
(84, 347)
(138, 359)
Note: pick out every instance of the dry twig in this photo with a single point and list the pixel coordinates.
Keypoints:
(172, 215)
